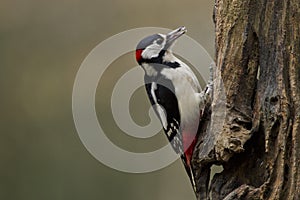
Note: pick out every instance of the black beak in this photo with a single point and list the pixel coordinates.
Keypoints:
(174, 35)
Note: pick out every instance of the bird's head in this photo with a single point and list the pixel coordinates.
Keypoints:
(153, 48)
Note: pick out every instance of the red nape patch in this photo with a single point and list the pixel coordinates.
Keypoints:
(189, 142)
(138, 54)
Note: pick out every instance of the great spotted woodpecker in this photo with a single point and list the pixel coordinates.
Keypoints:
(174, 93)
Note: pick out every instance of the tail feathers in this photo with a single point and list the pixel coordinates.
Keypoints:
(190, 173)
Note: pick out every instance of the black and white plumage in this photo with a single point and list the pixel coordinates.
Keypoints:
(174, 92)
(165, 102)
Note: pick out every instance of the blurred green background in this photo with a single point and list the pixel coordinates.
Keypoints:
(42, 44)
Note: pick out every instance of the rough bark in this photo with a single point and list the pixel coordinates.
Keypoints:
(253, 128)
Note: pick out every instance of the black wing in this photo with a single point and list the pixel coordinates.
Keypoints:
(165, 104)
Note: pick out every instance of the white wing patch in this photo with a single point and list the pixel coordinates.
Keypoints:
(159, 109)
(162, 115)
(153, 88)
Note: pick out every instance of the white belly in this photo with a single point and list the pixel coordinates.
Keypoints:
(186, 87)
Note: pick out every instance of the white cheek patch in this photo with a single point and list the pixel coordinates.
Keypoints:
(154, 49)
(151, 51)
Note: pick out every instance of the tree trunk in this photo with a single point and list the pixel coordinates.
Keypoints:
(253, 127)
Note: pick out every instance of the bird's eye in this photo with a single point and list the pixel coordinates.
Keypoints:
(159, 41)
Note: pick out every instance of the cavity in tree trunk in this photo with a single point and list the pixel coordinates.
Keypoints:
(252, 128)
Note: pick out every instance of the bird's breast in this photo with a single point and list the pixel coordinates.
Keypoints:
(186, 87)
